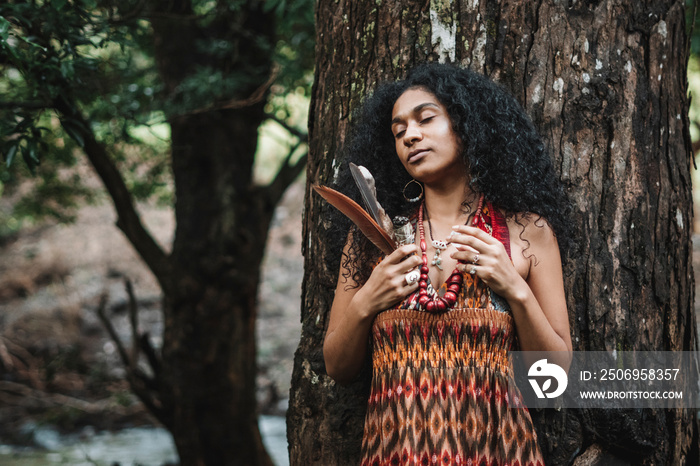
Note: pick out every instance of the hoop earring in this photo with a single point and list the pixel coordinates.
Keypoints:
(413, 199)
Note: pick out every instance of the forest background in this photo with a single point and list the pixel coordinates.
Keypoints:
(101, 79)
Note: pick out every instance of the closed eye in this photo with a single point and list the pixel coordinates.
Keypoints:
(399, 133)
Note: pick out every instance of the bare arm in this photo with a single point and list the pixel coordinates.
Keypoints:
(354, 309)
(537, 300)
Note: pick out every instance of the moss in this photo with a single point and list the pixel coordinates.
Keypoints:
(491, 29)
(367, 37)
(444, 11)
(123, 398)
(63, 417)
(424, 34)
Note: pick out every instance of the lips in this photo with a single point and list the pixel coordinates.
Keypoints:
(416, 155)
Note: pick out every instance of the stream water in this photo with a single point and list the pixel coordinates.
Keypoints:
(143, 446)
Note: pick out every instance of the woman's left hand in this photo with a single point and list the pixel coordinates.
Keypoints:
(479, 251)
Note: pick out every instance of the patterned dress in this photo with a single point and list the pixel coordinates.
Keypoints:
(442, 391)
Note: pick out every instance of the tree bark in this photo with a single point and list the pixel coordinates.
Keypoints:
(207, 380)
(605, 82)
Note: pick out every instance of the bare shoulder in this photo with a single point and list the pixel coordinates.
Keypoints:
(532, 242)
(530, 230)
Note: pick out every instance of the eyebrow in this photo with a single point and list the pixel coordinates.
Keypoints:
(416, 109)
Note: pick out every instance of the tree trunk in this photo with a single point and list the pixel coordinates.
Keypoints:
(210, 309)
(208, 357)
(605, 83)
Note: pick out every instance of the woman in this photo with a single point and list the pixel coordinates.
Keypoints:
(457, 154)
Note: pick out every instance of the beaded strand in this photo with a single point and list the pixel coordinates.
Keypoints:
(454, 281)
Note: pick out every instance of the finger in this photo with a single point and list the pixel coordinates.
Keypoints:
(410, 281)
(402, 252)
(411, 289)
(401, 268)
(468, 257)
(406, 249)
(475, 232)
(463, 248)
(409, 264)
(471, 269)
(463, 239)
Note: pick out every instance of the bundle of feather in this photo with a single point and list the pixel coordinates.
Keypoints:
(375, 225)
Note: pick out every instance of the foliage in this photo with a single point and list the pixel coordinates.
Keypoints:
(692, 24)
(95, 58)
(103, 82)
(692, 17)
(694, 90)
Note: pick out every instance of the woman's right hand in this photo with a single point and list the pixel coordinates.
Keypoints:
(387, 285)
(354, 309)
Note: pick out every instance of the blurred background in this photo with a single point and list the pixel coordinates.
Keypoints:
(64, 394)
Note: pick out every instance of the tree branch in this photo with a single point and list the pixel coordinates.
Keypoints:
(255, 97)
(127, 218)
(150, 352)
(123, 355)
(29, 105)
(141, 384)
(5, 356)
(133, 321)
(303, 137)
(286, 175)
(33, 397)
(23, 363)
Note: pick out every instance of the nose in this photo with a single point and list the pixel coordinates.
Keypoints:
(412, 134)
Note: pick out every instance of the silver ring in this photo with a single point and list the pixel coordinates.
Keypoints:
(476, 259)
(412, 277)
(472, 270)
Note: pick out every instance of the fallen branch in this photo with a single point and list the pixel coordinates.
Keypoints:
(22, 363)
(112, 332)
(5, 356)
(144, 386)
(25, 396)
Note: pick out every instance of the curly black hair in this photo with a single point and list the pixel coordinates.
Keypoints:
(501, 149)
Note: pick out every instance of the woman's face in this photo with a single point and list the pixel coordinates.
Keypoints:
(426, 144)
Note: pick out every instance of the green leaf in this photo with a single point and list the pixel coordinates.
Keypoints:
(11, 51)
(4, 28)
(11, 155)
(74, 131)
(29, 156)
(32, 151)
(22, 126)
(67, 69)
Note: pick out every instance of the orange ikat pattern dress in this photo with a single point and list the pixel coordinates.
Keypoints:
(442, 391)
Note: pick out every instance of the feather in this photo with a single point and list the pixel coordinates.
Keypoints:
(359, 217)
(365, 183)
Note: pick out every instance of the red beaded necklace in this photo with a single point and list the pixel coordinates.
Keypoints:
(454, 281)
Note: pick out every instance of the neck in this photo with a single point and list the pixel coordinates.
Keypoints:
(445, 204)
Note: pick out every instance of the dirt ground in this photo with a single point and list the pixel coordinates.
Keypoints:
(57, 363)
